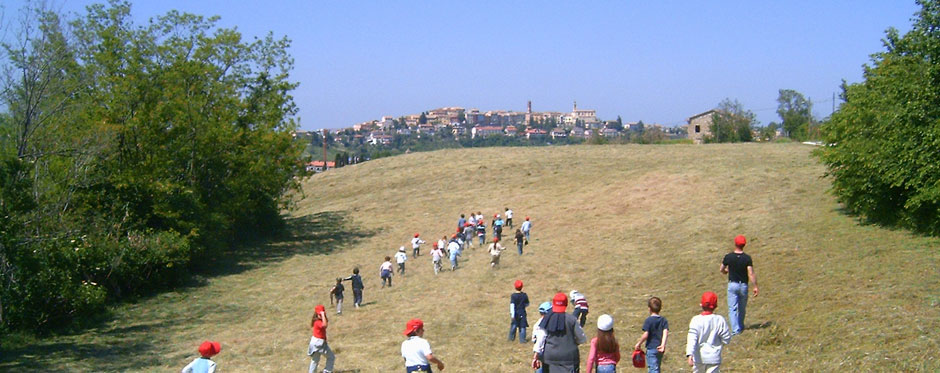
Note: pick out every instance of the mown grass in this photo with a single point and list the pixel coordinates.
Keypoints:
(618, 223)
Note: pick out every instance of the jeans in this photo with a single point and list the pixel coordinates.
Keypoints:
(737, 306)
(386, 277)
(512, 330)
(357, 297)
(526, 235)
(339, 306)
(519, 246)
(581, 315)
(401, 268)
(482, 239)
(606, 368)
(453, 263)
(653, 359)
(320, 347)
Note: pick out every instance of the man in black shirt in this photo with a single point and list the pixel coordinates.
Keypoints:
(740, 269)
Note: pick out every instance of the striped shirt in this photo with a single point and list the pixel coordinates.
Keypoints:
(580, 302)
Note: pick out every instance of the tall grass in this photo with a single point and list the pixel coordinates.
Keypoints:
(618, 223)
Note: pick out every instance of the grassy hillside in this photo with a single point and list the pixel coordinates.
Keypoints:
(618, 223)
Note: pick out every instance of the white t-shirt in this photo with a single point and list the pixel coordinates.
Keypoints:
(387, 266)
(401, 257)
(707, 335)
(508, 214)
(416, 242)
(441, 244)
(415, 350)
(436, 255)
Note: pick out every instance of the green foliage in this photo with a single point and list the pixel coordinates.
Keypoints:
(145, 149)
(731, 123)
(885, 138)
(795, 112)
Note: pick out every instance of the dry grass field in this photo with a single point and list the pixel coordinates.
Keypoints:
(618, 223)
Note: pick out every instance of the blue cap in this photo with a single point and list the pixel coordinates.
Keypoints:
(545, 307)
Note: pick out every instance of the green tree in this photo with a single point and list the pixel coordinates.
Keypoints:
(423, 119)
(795, 113)
(178, 143)
(731, 123)
(882, 142)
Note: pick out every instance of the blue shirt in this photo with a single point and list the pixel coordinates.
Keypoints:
(655, 325)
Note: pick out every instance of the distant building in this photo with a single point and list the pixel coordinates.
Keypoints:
(318, 166)
(535, 133)
(699, 126)
(378, 138)
(577, 132)
(484, 131)
(558, 133)
(510, 130)
(609, 132)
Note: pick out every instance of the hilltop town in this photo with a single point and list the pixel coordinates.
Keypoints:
(474, 127)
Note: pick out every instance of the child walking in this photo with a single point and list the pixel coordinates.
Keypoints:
(453, 251)
(337, 292)
(580, 306)
(481, 231)
(385, 271)
(519, 240)
(357, 287)
(204, 363)
(538, 334)
(416, 350)
(655, 333)
(400, 258)
(518, 301)
(708, 333)
(526, 227)
(416, 245)
(495, 250)
(318, 345)
(605, 351)
(436, 255)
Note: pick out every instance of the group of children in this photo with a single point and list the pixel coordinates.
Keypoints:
(555, 335)
(708, 333)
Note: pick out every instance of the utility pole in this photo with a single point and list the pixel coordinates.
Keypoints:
(324, 149)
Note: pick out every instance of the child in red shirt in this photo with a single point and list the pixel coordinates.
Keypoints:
(318, 345)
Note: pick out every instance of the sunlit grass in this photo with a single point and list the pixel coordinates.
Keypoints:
(618, 223)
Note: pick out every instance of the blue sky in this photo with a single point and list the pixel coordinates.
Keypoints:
(656, 61)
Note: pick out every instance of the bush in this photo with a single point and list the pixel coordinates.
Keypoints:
(883, 157)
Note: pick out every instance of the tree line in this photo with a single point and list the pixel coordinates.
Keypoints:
(132, 154)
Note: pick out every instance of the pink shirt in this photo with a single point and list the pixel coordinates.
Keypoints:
(603, 358)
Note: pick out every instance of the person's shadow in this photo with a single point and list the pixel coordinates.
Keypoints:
(763, 325)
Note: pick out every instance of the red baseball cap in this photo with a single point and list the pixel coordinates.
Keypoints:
(209, 349)
(495, 215)
(526, 218)
(319, 308)
(709, 300)
(412, 326)
(495, 239)
(435, 245)
(453, 236)
(416, 235)
(518, 284)
(559, 303)
(740, 241)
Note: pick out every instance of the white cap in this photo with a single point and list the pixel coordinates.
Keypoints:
(402, 248)
(572, 294)
(605, 322)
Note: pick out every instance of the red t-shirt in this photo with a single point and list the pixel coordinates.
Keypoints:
(319, 330)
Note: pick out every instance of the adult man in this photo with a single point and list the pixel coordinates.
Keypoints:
(559, 348)
(739, 268)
